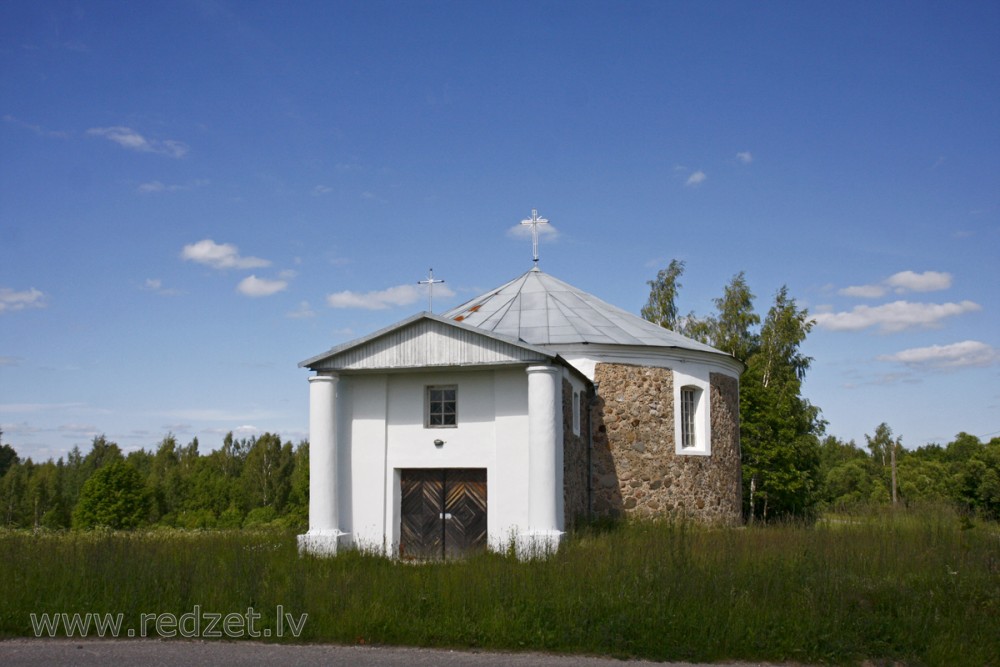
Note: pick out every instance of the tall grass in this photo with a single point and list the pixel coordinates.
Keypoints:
(921, 588)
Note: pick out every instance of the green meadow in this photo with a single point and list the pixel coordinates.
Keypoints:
(919, 586)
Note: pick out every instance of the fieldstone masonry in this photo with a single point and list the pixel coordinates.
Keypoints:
(636, 470)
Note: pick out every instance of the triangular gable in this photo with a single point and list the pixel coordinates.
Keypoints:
(426, 340)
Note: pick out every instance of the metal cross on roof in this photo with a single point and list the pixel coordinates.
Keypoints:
(430, 282)
(534, 222)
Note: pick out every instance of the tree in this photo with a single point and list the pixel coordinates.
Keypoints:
(8, 457)
(113, 497)
(74, 476)
(661, 308)
(845, 473)
(13, 486)
(102, 452)
(779, 429)
(880, 443)
(44, 495)
(731, 330)
(885, 450)
(267, 472)
(298, 497)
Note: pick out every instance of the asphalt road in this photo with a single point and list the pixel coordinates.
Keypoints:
(178, 653)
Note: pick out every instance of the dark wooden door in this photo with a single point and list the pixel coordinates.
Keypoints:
(443, 512)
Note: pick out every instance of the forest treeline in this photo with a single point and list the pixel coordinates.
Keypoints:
(261, 481)
(966, 472)
(245, 482)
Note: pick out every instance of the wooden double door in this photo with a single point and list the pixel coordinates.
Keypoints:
(443, 512)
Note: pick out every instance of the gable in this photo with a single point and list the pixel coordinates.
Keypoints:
(426, 341)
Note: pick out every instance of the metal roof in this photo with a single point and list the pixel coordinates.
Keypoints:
(541, 310)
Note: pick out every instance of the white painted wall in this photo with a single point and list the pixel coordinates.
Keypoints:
(381, 426)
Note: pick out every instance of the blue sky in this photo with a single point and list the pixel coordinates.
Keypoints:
(196, 196)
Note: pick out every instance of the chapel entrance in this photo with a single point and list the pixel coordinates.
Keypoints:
(442, 513)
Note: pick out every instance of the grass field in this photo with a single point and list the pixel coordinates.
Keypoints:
(920, 587)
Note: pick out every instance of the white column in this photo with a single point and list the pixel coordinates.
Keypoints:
(324, 516)
(545, 461)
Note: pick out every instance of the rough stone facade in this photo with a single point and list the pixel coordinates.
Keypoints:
(575, 459)
(636, 470)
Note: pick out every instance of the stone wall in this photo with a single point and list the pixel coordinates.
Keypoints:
(575, 499)
(726, 447)
(636, 470)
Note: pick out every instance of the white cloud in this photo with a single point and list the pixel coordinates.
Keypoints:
(901, 283)
(10, 361)
(156, 285)
(304, 311)
(79, 429)
(864, 291)
(128, 138)
(546, 231)
(967, 354)
(893, 317)
(156, 186)
(11, 300)
(697, 178)
(745, 157)
(37, 129)
(910, 281)
(321, 190)
(400, 295)
(220, 256)
(39, 407)
(254, 286)
(218, 414)
(152, 186)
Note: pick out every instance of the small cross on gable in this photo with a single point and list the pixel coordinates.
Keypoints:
(534, 221)
(430, 282)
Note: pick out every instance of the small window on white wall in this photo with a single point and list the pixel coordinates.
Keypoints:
(442, 407)
(691, 415)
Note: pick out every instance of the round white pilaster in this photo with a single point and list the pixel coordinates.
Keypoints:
(545, 456)
(324, 514)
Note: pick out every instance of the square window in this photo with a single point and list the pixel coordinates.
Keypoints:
(442, 407)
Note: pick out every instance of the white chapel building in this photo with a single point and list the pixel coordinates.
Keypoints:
(506, 420)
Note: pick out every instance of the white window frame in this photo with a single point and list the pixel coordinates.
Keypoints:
(700, 441)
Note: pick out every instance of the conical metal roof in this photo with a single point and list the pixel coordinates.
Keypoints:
(541, 310)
